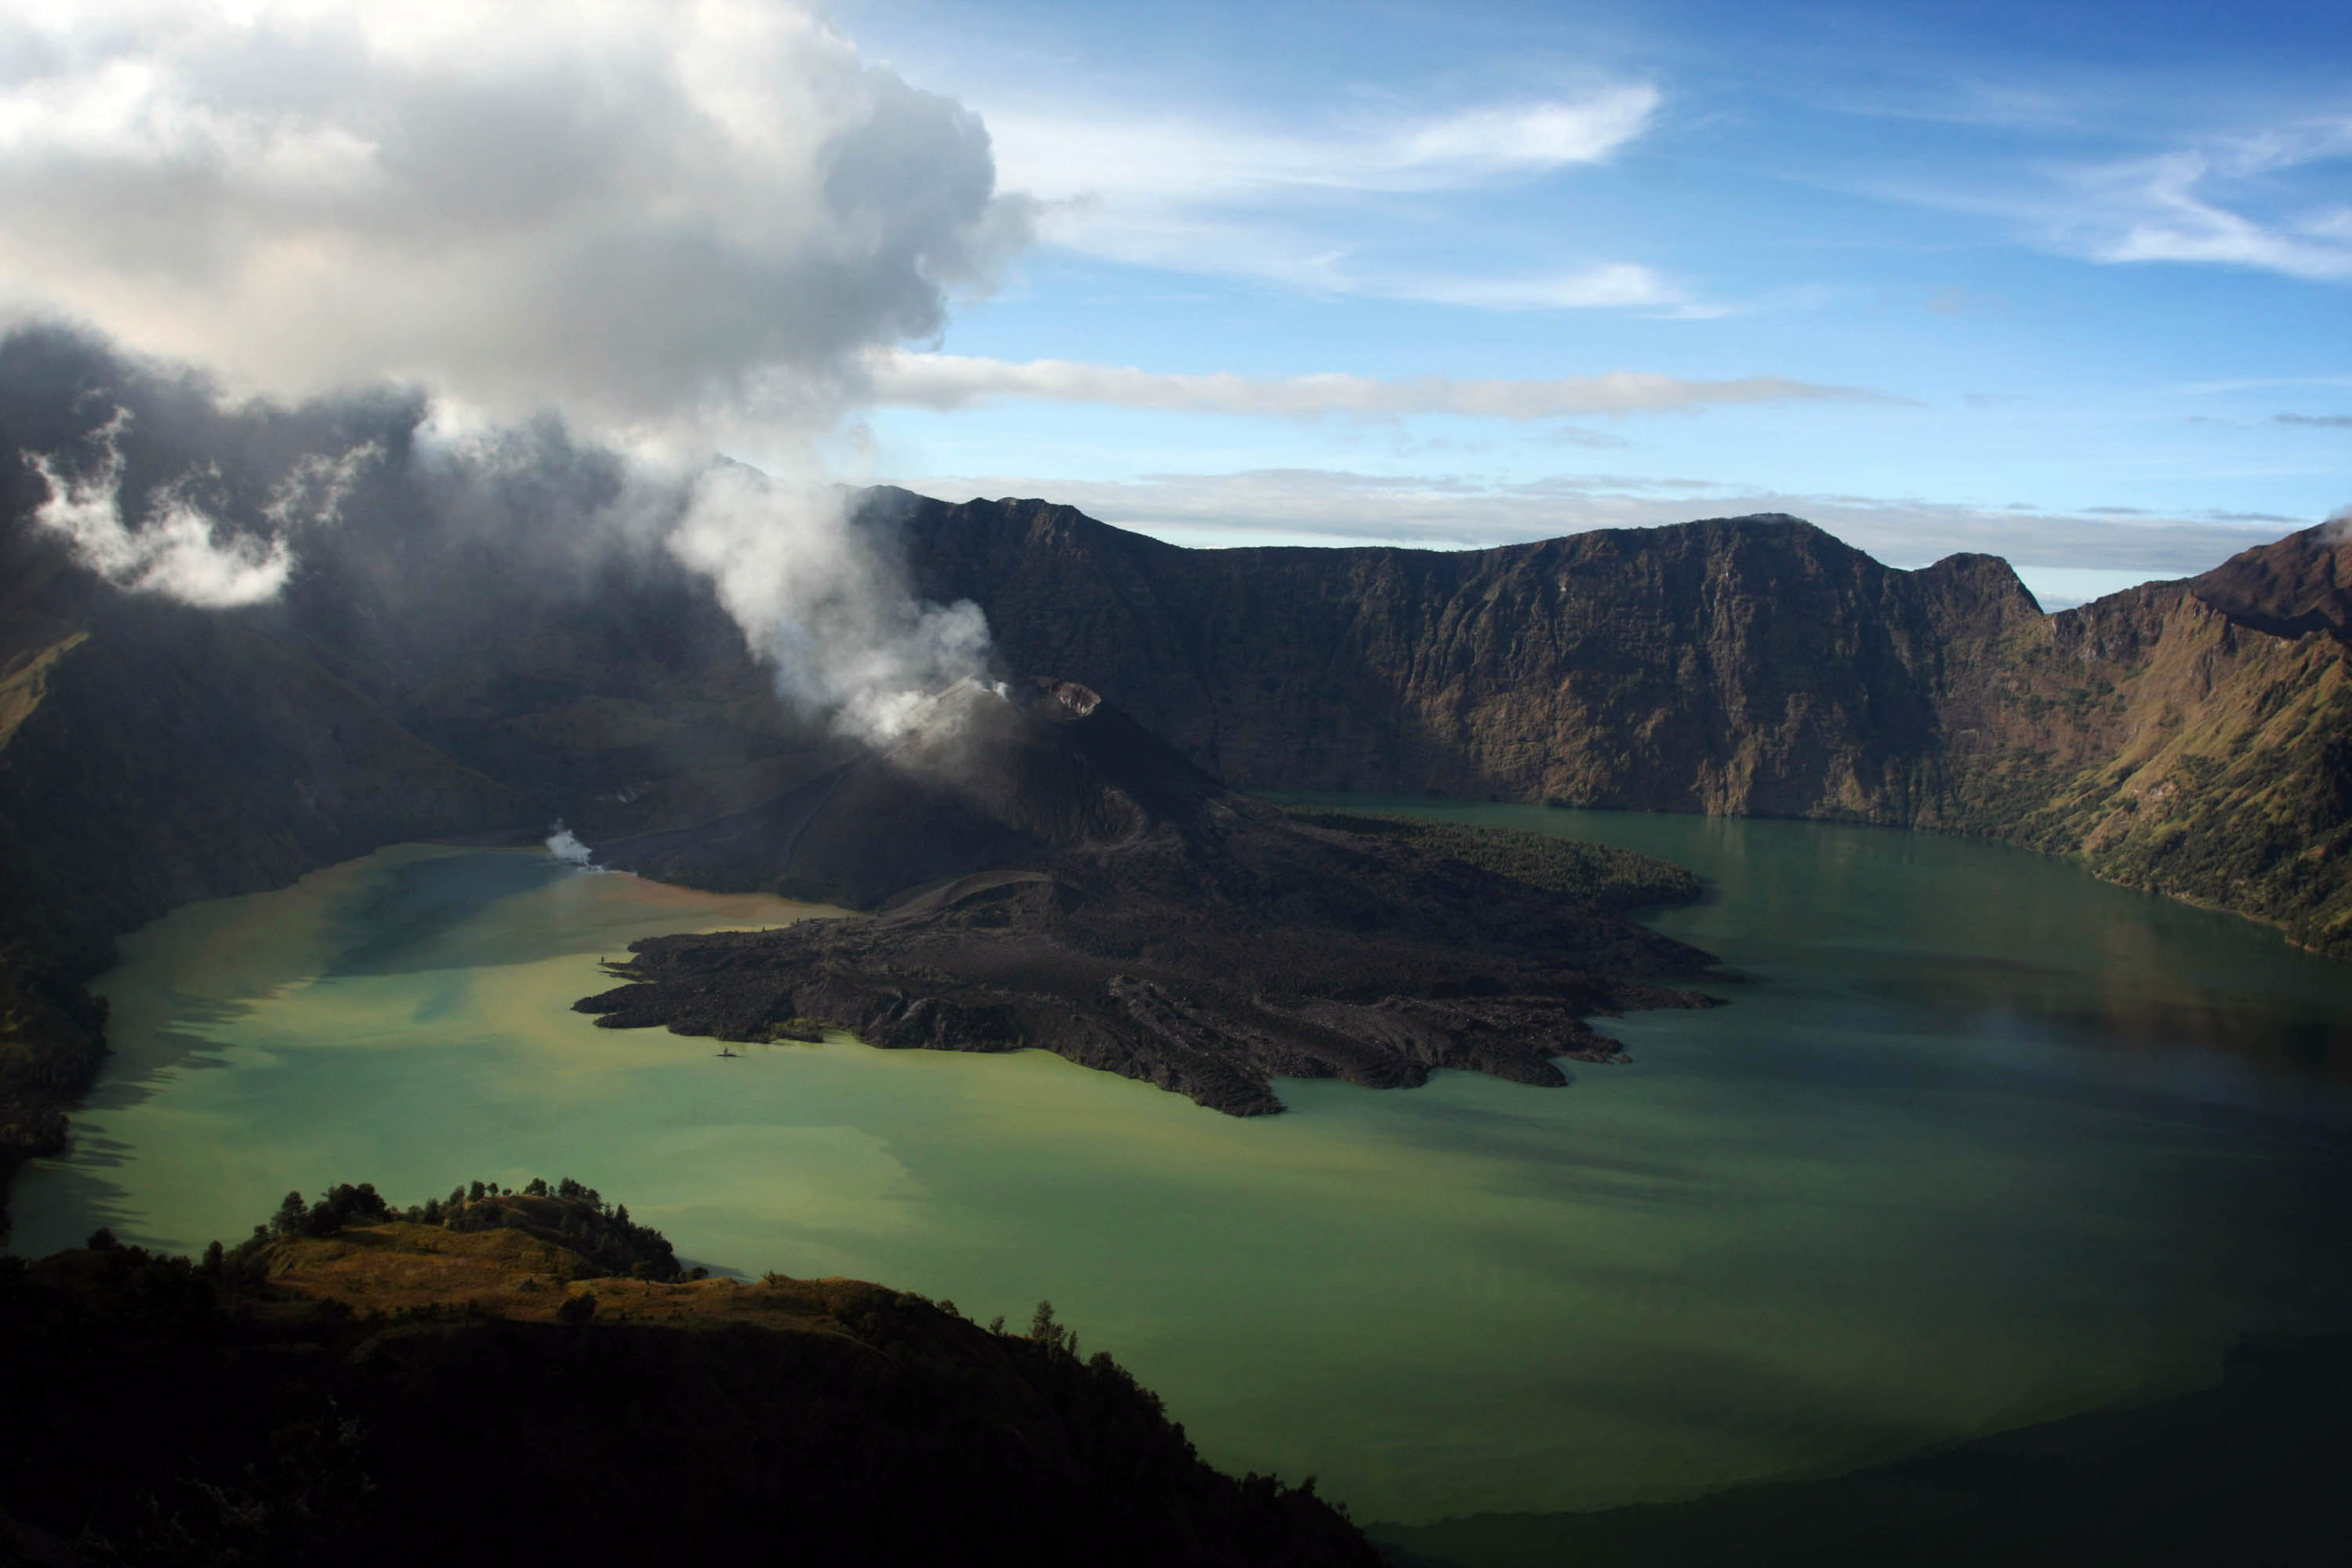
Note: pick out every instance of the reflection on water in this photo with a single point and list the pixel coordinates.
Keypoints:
(1981, 1142)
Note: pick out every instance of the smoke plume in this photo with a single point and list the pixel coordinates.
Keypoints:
(813, 592)
(677, 230)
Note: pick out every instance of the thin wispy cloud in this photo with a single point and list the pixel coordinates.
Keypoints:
(1613, 286)
(1189, 192)
(1107, 155)
(945, 382)
(2237, 201)
(1331, 506)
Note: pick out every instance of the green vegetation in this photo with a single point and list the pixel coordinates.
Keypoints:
(1598, 873)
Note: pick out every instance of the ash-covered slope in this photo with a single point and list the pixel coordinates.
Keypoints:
(1056, 876)
(991, 775)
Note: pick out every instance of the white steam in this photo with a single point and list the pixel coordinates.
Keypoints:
(565, 845)
(175, 548)
(176, 551)
(814, 592)
(682, 227)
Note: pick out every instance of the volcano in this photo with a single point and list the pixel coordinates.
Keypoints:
(1039, 870)
(987, 774)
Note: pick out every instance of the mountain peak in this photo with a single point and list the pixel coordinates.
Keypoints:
(2297, 585)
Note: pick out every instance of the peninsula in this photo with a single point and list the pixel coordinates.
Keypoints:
(1046, 873)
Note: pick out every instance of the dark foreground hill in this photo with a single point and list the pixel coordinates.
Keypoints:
(467, 1386)
(1053, 876)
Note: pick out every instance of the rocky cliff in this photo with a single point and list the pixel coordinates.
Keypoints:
(2192, 738)
(480, 645)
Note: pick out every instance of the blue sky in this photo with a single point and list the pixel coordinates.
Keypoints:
(2068, 283)
(2072, 283)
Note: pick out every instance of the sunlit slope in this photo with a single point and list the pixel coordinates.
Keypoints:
(2176, 750)
(2191, 737)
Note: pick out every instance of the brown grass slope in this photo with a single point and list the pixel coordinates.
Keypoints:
(2176, 750)
(395, 1392)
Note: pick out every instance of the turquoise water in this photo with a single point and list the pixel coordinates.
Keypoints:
(1980, 1141)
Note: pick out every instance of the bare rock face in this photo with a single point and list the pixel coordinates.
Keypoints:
(2189, 738)
(1053, 876)
(1743, 666)
(2301, 583)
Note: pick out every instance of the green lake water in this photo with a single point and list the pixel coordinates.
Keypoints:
(1978, 1142)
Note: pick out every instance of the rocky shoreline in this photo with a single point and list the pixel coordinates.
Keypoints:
(1179, 933)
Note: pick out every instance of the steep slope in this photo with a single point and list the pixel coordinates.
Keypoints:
(1749, 665)
(150, 754)
(2189, 738)
(469, 1385)
(2174, 748)
(2302, 583)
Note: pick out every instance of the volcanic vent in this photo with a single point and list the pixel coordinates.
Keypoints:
(1046, 873)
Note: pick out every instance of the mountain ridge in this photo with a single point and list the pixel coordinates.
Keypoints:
(451, 661)
(1752, 666)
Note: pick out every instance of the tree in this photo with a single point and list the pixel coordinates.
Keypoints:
(1055, 1336)
(576, 1310)
(291, 1211)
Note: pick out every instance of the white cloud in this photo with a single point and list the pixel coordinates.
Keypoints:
(1318, 506)
(2200, 205)
(1193, 195)
(678, 222)
(952, 380)
(1107, 155)
(1616, 285)
(636, 211)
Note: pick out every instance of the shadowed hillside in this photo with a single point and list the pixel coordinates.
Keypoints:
(2191, 738)
(471, 1385)
(482, 645)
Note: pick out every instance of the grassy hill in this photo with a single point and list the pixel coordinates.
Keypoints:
(527, 1377)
